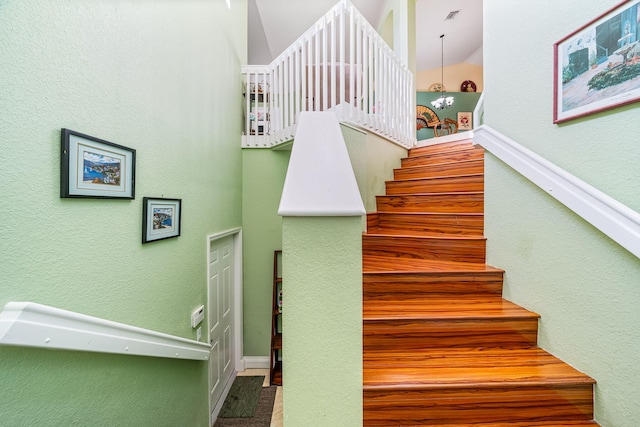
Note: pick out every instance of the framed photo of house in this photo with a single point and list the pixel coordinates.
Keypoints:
(464, 121)
(92, 167)
(597, 67)
(161, 218)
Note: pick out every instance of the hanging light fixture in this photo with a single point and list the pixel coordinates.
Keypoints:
(444, 101)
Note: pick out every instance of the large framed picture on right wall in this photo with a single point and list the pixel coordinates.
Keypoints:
(597, 67)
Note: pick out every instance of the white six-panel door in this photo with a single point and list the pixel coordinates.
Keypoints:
(220, 291)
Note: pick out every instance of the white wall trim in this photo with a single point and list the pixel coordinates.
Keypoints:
(618, 221)
(28, 324)
(257, 362)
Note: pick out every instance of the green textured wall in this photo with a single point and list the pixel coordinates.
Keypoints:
(322, 321)
(373, 159)
(146, 75)
(584, 285)
(263, 178)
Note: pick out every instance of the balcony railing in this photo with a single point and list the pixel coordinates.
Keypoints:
(340, 64)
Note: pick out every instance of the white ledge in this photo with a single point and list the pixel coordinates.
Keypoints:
(619, 222)
(28, 324)
(320, 180)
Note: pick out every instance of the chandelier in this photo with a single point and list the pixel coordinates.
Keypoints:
(444, 101)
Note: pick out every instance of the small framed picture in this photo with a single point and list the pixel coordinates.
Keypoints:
(464, 121)
(92, 167)
(161, 218)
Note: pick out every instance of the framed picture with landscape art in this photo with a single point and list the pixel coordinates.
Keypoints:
(597, 67)
(161, 218)
(92, 167)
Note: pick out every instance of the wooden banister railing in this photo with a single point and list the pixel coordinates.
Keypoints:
(340, 64)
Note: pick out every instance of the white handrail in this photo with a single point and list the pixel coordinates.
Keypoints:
(342, 64)
(28, 324)
(619, 222)
(478, 112)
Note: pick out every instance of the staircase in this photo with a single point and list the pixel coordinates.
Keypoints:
(441, 345)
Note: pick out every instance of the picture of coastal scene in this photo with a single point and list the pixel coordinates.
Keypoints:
(162, 218)
(101, 169)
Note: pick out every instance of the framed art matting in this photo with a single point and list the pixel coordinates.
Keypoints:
(161, 218)
(92, 167)
(464, 121)
(597, 67)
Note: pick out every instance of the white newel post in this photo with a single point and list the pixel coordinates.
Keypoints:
(322, 279)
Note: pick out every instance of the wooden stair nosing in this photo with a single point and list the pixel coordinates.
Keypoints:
(447, 322)
(443, 147)
(434, 158)
(459, 168)
(425, 238)
(447, 248)
(449, 184)
(425, 223)
(385, 264)
(398, 219)
(446, 308)
(445, 203)
(394, 286)
(566, 423)
(450, 406)
(436, 178)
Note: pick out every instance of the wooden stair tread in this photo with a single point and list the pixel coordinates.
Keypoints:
(529, 424)
(442, 163)
(426, 223)
(427, 158)
(441, 147)
(427, 234)
(374, 264)
(467, 167)
(435, 178)
(423, 237)
(444, 307)
(445, 202)
(481, 367)
(432, 214)
(435, 194)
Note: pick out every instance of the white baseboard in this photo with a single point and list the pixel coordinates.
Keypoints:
(256, 362)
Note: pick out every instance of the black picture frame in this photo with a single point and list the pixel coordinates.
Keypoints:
(161, 218)
(91, 167)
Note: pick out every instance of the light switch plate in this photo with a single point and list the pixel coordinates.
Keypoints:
(197, 316)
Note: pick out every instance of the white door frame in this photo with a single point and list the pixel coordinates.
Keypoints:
(238, 360)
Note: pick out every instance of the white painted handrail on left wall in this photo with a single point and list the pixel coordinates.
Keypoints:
(28, 324)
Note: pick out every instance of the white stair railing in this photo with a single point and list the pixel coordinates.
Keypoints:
(340, 64)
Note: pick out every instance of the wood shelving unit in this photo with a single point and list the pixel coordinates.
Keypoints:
(276, 321)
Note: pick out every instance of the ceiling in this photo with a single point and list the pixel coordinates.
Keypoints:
(276, 24)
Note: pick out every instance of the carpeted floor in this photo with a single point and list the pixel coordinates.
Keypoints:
(261, 416)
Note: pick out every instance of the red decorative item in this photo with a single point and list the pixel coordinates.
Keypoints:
(468, 86)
